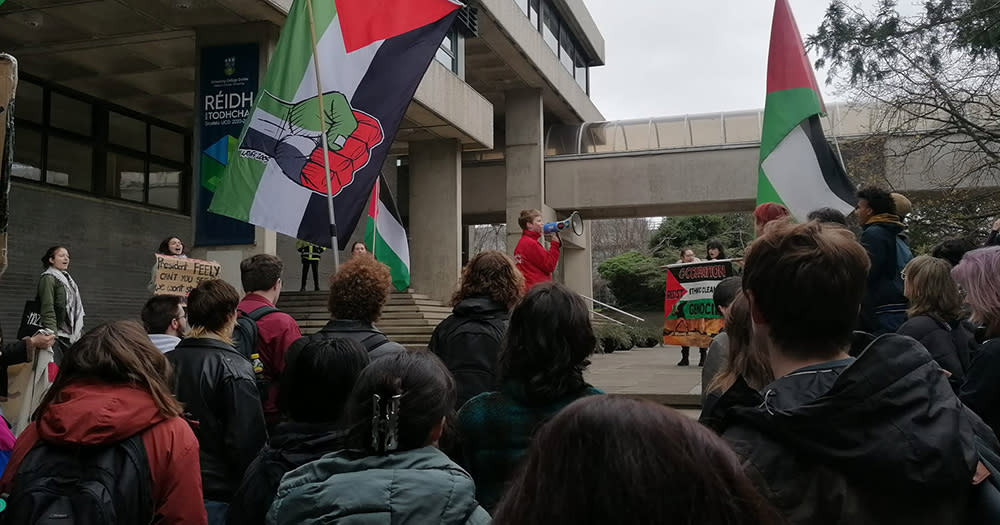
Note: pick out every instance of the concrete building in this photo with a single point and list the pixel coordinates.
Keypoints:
(110, 130)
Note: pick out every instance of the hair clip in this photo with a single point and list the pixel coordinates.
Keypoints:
(385, 427)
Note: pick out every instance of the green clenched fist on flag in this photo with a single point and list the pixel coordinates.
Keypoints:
(304, 117)
(291, 134)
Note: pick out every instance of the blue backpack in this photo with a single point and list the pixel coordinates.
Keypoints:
(903, 256)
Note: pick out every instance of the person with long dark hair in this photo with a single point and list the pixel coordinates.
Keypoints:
(714, 250)
(541, 371)
(315, 386)
(607, 459)
(468, 341)
(391, 470)
(113, 386)
(172, 246)
(59, 299)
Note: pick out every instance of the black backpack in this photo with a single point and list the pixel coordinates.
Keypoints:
(67, 484)
(245, 332)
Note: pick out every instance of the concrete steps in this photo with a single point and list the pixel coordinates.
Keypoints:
(407, 318)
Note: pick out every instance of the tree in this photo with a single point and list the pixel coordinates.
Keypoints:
(636, 280)
(735, 231)
(933, 77)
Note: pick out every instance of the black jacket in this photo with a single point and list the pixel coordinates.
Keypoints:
(887, 441)
(950, 344)
(291, 446)
(217, 386)
(468, 342)
(374, 341)
(981, 390)
(884, 282)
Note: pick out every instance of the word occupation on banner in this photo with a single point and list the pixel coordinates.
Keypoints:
(180, 275)
(692, 318)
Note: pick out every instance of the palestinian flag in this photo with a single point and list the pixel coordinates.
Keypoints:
(797, 166)
(385, 237)
(372, 56)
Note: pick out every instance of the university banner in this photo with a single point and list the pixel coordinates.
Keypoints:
(229, 78)
(691, 316)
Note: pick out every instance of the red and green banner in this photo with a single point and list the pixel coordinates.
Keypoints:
(692, 318)
(797, 166)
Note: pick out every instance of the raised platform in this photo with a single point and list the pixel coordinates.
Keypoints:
(649, 373)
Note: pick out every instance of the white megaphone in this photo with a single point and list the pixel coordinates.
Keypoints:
(573, 222)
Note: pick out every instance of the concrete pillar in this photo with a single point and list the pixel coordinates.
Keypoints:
(435, 217)
(524, 158)
(577, 262)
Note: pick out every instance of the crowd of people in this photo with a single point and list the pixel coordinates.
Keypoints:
(854, 383)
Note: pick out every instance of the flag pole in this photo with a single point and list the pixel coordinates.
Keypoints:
(378, 197)
(322, 139)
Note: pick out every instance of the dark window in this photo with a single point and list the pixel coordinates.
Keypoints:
(70, 114)
(447, 54)
(70, 163)
(567, 51)
(533, 13)
(27, 154)
(139, 159)
(550, 27)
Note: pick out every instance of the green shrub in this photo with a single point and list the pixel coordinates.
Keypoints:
(613, 337)
(635, 279)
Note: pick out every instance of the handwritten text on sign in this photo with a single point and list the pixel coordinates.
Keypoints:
(178, 276)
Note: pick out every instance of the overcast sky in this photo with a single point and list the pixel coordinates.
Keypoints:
(675, 57)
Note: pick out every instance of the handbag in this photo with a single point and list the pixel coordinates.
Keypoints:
(31, 318)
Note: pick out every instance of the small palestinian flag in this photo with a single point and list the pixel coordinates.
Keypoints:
(385, 237)
(797, 166)
(372, 55)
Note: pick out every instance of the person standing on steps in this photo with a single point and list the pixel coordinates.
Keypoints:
(310, 254)
(687, 256)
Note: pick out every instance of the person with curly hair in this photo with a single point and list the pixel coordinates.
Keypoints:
(468, 341)
(358, 291)
(541, 370)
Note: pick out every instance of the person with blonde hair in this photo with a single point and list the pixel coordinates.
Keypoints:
(469, 340)
(935, 315)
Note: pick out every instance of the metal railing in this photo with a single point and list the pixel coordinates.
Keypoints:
(608, 306)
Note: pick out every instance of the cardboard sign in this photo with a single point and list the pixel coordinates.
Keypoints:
(691, 315)
(180, 275)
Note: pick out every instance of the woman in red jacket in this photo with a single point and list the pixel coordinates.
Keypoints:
(111, 386)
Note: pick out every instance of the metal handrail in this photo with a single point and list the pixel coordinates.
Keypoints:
(613, 320)
(623, 312)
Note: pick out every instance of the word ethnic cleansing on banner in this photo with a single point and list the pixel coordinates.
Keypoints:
(180, 275)
(692, 318)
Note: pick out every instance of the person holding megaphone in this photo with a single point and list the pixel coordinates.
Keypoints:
(533, 260)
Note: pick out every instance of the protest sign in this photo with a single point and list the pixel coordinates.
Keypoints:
(180, 275)
(691, 315)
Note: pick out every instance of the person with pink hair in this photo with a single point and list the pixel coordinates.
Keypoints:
(767, 212)
(979, 282)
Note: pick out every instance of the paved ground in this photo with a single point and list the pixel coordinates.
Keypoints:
(649, 373)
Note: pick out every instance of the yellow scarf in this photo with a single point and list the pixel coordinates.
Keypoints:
(887, 218)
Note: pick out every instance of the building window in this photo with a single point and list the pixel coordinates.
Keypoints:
(64, 138)
(447, 54)
(558, 37)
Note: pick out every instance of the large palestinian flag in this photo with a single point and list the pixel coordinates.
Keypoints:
(797, 166)
(372, 56)
(385, 237)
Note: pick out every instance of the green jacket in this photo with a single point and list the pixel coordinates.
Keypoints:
(415, 487)
(52, 302)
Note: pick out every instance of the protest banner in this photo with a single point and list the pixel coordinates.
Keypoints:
(691, 315)
(180, 275)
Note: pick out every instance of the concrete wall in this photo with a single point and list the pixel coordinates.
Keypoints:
(449, 98)
(435, 217)
(111, 247)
